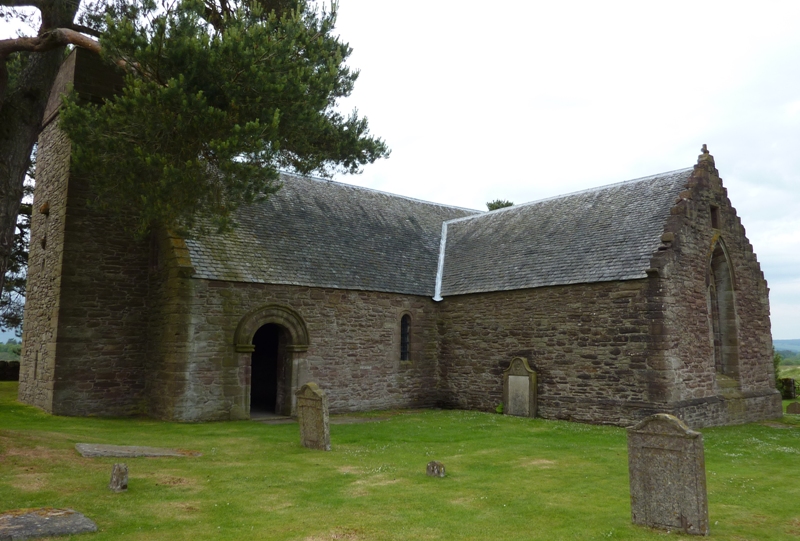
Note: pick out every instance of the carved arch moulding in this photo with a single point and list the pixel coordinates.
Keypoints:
(271, 313)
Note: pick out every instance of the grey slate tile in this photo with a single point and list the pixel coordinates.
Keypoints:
(322, 233)
(603, 234)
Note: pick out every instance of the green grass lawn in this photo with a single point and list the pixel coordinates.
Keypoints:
(508, 478)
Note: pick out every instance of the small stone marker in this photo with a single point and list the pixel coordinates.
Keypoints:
(312, 414)
(45, 522)
(435, 469)
(119, 478)
(519, 389)
(793, 408)
(667, 475)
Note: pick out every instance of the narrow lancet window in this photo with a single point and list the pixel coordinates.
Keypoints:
(405, 337)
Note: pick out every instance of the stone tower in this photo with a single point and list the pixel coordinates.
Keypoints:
(88, 281)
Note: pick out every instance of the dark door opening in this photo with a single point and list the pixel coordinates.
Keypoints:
(265, 368)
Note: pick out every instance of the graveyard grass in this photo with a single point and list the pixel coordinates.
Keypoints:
(507, 478)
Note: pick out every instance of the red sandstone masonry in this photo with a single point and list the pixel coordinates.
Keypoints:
(44, 270)
(86, 307)
(685, 267)
(354, 352)
(589, 343)
(85, 315)
(616, 352)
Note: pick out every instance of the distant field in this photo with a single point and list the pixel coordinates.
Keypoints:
(789, 372)
(789, 345)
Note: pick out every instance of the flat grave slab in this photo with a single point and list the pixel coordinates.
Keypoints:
(44, 522)
(336, 420)
(92, 450)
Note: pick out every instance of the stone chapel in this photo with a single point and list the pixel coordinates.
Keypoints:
(631, 299)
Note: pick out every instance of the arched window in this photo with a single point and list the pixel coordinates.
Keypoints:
(722, 313)
(405, 337)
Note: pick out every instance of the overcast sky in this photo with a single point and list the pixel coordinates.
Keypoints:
(523, 100)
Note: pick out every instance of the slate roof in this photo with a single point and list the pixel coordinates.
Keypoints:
(322, 233)
(597, 235)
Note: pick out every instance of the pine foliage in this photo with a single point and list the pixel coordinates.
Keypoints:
(218, 98)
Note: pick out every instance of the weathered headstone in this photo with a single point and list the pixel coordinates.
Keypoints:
(519, 389)
(667, 475)
(793, 408)
(119, 478)
(435, 469)
(312, 414)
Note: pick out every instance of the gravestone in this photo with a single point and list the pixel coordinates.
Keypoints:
(667, 475)
(43, 522)
(519, 389)
(793, 408)
(435, 469)
(91, 450)
(119, 478)
(312, 414)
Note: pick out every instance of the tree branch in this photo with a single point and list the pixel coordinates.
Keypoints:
(21, 3)
(47, 42)
(40, 44)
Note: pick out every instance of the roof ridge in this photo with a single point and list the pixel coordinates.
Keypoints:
(571, 194)
(394, 195)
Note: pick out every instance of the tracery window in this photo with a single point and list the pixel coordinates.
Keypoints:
(722, 313)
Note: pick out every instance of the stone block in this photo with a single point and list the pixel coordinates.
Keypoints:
(435, 469)
(519, 389)
(43, 522)
(119, 478)
(312, 415)
(667, 475)
(793, 408)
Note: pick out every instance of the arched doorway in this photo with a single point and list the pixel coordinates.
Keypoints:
(268, 370)
(270, 342)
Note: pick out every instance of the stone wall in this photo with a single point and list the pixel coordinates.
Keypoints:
(590, 345)
(43, 295)
(103, 324)
(353, 351)
(88, 283)
(616, 352)
(704, 396)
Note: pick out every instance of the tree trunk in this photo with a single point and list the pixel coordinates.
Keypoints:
(21, 115)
